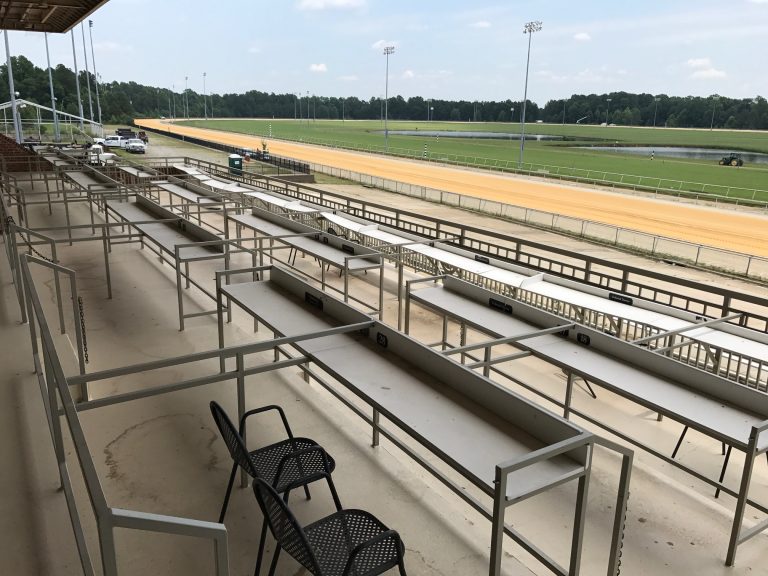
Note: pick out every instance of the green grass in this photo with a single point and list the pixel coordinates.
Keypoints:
(686, 174)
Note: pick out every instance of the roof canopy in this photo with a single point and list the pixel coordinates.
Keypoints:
(50, 16)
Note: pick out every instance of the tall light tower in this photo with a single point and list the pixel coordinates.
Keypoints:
(95, 74)
(387, 51)
(715, 98)
(205, 101)
(77, 80)
(14, 94)
(87, 71)
(608, 108)
(186, 97)
(56, 133)
(655, 109)
(529, 29)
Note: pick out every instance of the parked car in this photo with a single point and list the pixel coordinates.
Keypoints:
(115, 141)
(136, 146)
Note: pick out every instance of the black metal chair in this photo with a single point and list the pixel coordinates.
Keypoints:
(285, 465)
(345, 543)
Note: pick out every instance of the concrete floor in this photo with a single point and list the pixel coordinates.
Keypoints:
(164, 455)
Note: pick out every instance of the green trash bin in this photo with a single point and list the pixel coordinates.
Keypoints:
(235, 164)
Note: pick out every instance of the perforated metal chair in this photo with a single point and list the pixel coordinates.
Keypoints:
(285, 465)
(346, 543)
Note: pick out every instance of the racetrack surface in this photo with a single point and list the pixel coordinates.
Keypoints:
(737, 231)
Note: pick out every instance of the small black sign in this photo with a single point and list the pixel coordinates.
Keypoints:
(563, 333)
(348, 248)
(313, 300)
(325, 239)
(583, 339)
(500, 306)
(382, 340)
(482, 259)
(620, 298)
(496, 304)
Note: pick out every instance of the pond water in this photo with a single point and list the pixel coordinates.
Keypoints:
(680, 152)
(469, 134)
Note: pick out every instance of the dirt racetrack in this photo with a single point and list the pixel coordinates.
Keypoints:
(737, 231)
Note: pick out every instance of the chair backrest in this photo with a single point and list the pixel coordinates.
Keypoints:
(232, 439)
(284, 526)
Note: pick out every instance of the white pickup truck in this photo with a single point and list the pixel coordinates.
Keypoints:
(95, 156)
(115, 141)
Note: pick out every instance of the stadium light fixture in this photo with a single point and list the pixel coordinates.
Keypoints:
(95, 74)
(655, 108)
(529, 29)
(56, 133)
(715, 98)
(387, 51)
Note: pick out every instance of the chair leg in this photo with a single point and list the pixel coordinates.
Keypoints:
(273, 566)
(306, 491)
(680, 441)
(722, 472)
(262, 542)
(229, 491)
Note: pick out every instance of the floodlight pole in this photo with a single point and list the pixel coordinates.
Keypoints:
(205, 102)
(56, 133)
(607, 110)
(95, 75)
(529, 29)
(655, 109)
(714, 104)
(16, 126)
(87, 72)
(77, 80)
(186, 97)
(387, 51)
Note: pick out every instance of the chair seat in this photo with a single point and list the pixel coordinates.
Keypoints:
(297, 471)
(335, 537)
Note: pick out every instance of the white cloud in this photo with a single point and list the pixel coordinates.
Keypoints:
(318, 68)
(582, 37)
(481, 24)
(380, 44)
(699, 63)
(329, 4)
(708, 73)
(254, 50)
(408, 74)
(703, 69)
(348, 78)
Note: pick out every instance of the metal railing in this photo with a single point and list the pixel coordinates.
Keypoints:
(55, 391)
(691, 296)
(654, 184)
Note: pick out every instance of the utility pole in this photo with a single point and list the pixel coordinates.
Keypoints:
(95, 75)
(77, 79)
(205, 102)
(56, 133)
(529, 29)
(387, 51)
(87, 72)
(14, 109)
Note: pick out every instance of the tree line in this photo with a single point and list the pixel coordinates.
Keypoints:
(123, 101)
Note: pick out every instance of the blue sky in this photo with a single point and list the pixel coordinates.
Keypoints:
(443, 49)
